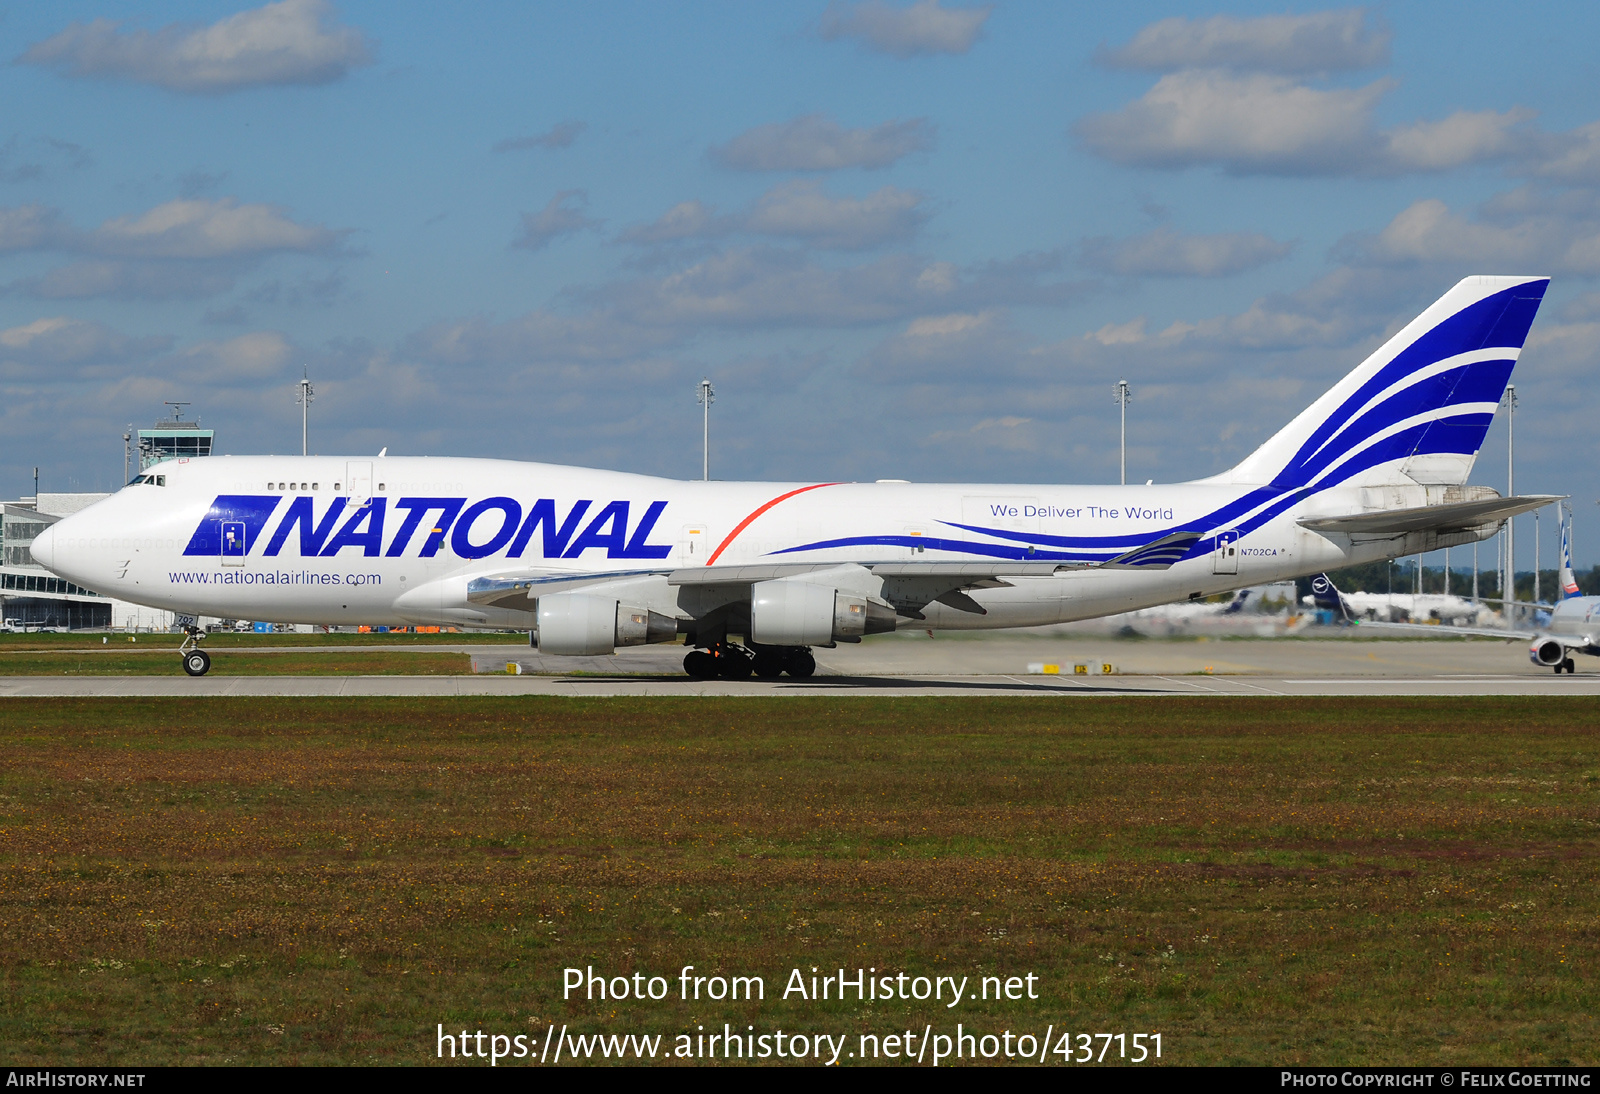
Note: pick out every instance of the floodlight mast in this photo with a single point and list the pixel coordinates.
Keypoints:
(1123, 396)
(705, 396)
(304, 399)
(1509, 586)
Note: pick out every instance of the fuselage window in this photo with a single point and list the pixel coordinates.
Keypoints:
(281, 486)
(313, 486)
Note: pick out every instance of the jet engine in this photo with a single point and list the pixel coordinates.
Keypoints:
(1547, 652)
(576, 624)
(788, 612)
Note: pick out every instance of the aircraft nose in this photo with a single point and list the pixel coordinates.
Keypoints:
(44, 548)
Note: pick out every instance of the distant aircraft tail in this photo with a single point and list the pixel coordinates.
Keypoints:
(1236, 605)
(1417, 409)
(1569, 583)
(1325, 596)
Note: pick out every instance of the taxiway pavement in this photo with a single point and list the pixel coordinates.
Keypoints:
(900, 665)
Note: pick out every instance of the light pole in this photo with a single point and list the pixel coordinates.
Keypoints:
(304, 399)
(1509, 586)
(1123, 396)
(705, 397)
(127, 454)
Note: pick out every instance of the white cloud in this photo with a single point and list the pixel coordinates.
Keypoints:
(537, 336)
(131, 280)
(556, 219)
(62, 340)
(685, 220)
(818, 143)
(1323, 41)
(290, 42)
(196, 228)
(922, 28)
(1462, 138)
(1164, 252)
(1254, 123)
(782, 287)
(560, 135)
(798, 210)
(1268, 124)
(1572, 157)
(955, 346)
(29, 227)
(248, 359)
(1528, 230)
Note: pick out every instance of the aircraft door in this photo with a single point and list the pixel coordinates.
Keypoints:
(1225, 559)
(693, 550)
(233, 543)
(358, 483)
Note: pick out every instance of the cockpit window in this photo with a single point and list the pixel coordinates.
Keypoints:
(148, 480)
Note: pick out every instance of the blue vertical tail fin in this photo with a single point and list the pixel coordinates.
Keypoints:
(1417, 409)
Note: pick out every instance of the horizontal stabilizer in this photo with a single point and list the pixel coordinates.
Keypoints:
(1455, 517)
(1158, 555)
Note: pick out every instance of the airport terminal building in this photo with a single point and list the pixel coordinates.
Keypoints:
(31, 597)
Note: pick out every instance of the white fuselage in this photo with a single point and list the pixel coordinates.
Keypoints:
(396, 540)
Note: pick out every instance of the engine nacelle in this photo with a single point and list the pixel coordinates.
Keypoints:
(577, 624)
(1547, 652)
(790, 612)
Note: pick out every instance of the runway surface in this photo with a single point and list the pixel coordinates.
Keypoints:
(902, 666)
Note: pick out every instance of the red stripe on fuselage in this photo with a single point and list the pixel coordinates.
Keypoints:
(745, 523)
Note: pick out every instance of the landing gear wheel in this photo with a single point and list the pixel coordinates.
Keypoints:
(800, 664)
(734, 663)
(197, 662)
(700, 664)
(768, 666)
(1568, 665)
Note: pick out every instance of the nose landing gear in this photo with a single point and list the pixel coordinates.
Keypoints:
(196, 661)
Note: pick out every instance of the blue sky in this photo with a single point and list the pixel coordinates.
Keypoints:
(913, 241)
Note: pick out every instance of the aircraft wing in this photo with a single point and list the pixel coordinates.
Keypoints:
(1440, 630)
(1454, 517)
(517, 591)
(910, 586)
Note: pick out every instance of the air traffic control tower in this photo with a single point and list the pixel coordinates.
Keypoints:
(173, 438)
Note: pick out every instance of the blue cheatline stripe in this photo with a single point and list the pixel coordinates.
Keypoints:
(959, 546)
(1123, 543)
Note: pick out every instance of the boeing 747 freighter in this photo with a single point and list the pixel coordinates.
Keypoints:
(753, 576)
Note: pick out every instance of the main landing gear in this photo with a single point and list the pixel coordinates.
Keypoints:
(1566, 666)
(196, 661)
(733, 662)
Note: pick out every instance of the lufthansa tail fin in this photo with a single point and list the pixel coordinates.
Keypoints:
(1325, 596)
(1416, 410)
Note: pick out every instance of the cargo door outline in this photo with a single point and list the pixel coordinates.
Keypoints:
(358, 483)
(234, 544)
(693, 548)
(1225, 558)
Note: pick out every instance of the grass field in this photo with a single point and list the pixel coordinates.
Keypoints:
(1264, 881)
